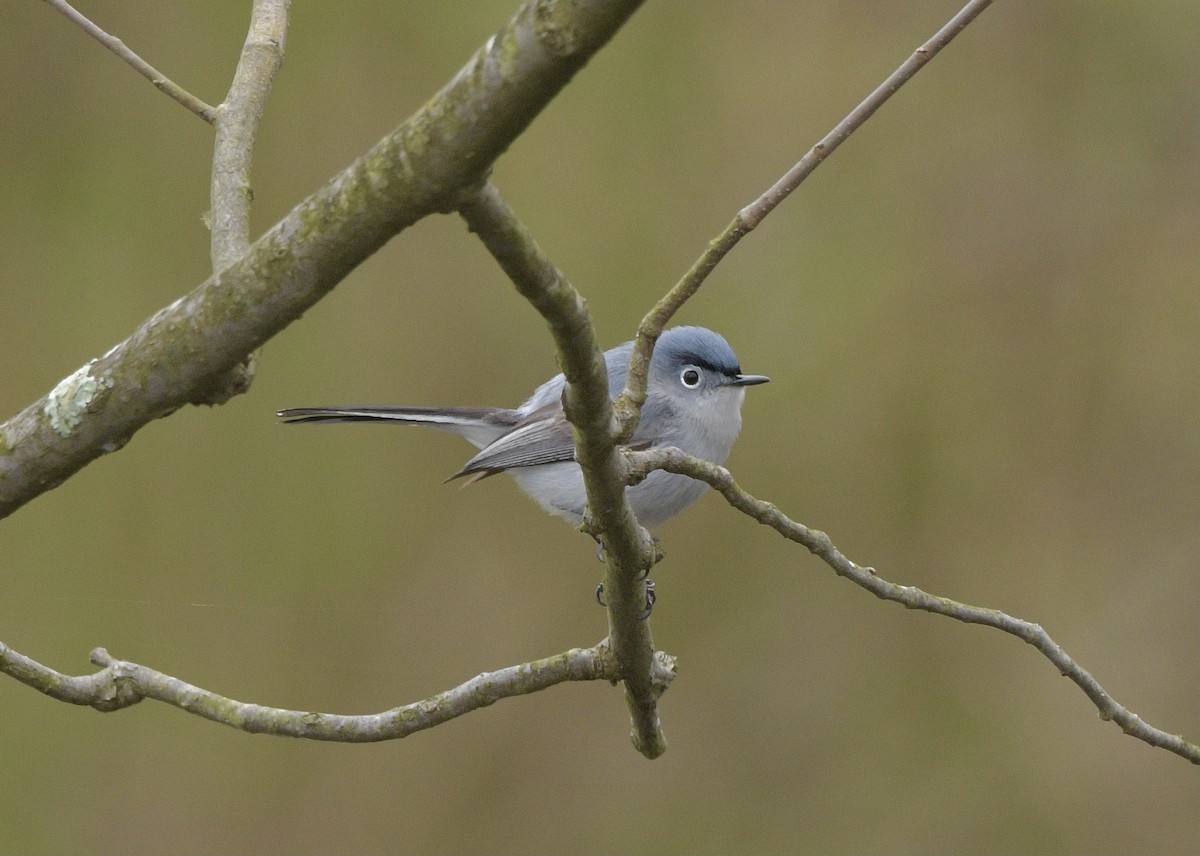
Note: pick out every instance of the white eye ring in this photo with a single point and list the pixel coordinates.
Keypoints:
(690, 377)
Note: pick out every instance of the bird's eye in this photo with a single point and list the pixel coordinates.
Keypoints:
(690, 378)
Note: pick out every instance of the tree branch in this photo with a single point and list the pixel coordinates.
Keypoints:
(673, 460)
(120, 684)
(145, 69)
(628, 406)
(443, 150)
(236, 129)
(628, 550)
(598, 427)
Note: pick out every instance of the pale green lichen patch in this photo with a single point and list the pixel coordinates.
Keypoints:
(67, 402)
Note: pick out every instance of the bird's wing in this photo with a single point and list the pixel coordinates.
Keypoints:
(542, 437)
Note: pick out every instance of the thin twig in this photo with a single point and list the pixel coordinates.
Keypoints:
(817, 542)
(629, 405)
(628, 551)
(160, 80)
(120, 684)
(237, 127)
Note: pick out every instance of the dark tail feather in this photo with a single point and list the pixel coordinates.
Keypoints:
(378, 413)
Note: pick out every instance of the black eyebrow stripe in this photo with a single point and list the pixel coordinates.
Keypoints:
(707, 366)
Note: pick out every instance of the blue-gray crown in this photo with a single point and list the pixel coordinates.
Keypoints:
(698, 346)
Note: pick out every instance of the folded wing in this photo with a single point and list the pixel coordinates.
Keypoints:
(542, 437)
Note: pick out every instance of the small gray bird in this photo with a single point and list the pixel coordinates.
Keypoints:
(694, 399)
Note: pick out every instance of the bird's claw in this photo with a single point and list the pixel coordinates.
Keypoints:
(651, 597)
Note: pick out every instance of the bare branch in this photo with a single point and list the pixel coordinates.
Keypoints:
(120, 684)
(587, 404)
(178, 355)
(164, 83)
(817, 542)
(628, 550)
(237, 127)
(629, 405)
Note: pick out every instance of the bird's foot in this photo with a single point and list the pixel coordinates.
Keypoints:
(651, 597)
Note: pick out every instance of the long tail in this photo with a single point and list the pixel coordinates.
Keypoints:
(384, 413)
(479, 425)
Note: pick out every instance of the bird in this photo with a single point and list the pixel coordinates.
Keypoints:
(695, 389)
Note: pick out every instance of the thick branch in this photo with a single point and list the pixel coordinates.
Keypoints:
(422, 167)
(120, 684)
(160, 80)
(633, 397)
(628, 550)
(818, 543)
(237, 127)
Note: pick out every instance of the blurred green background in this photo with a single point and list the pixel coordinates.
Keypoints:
(981, 317)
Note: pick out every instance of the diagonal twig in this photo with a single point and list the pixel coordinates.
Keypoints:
(628, 551)
(817, 542)
(629, 405)
(589, 408)
(237, 127)
(205, 111)
(236, 130)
